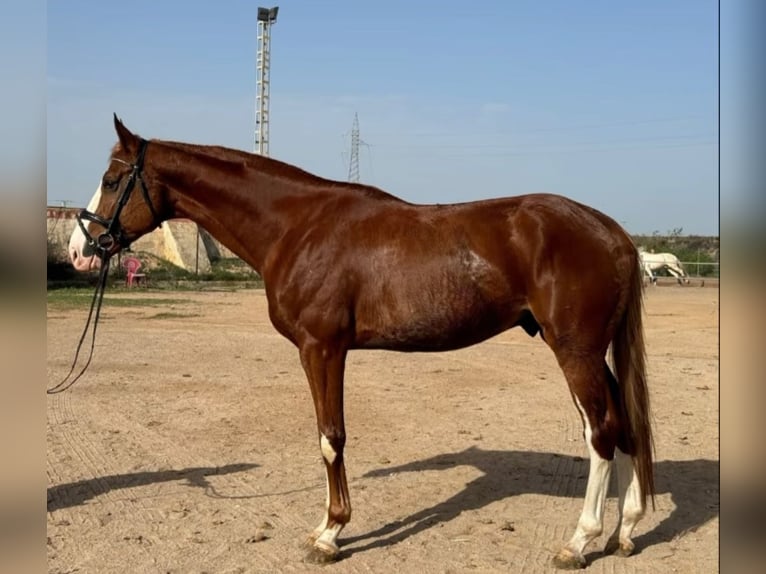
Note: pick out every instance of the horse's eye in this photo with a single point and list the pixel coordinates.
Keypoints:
(109, 183)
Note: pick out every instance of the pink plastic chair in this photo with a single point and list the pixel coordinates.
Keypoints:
(132, 265)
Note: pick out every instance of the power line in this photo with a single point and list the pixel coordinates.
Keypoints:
(695, 139)
(472, 153)
(575, 127)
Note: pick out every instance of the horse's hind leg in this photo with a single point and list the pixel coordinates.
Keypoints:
(630, 504)
(324, 366)
(590, 389)
(678, 273)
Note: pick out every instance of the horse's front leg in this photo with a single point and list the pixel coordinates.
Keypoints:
(324, 364)
(648, 270)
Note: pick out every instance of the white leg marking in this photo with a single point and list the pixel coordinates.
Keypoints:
(591, 521)
(328, 452)
(329, 455)
(323, 525)
(328, 539)
(631, 503)
(325, 535)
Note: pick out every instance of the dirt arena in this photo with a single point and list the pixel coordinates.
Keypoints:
(190, 446)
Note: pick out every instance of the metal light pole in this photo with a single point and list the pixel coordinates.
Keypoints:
(353, 162)
(266, 17)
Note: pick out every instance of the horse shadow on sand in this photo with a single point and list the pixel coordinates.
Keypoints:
(692, 484)
(75, 493)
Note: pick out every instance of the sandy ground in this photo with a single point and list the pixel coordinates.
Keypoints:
(190, 447)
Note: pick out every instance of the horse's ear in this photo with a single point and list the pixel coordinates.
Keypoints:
(128, 140)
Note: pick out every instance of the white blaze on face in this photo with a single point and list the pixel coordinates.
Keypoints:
(78, 242)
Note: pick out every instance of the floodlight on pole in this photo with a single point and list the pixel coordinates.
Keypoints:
(268, 14)
(266, 17)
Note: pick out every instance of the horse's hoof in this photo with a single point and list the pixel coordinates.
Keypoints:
(321, 555)
(308, 544)
(617, 548)
(568, 560)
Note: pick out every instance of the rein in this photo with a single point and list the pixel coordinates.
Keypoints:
(98, 297)
(102, 245)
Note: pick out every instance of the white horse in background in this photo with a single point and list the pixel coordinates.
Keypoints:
(655, 261)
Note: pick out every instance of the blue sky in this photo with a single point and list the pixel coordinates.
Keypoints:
(611, 103)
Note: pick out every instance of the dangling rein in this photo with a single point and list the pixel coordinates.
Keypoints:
(98, 297)
(103, 246)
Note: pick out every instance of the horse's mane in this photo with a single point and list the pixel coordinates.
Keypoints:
(272, 166)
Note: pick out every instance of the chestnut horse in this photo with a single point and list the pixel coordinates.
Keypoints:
(348, 266)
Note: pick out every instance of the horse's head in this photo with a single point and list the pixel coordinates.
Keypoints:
(125, 206)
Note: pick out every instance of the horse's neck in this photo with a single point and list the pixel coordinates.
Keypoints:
(231, 200)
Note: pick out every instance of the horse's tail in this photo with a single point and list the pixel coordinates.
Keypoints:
(629, 357)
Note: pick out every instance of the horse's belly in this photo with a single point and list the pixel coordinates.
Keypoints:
(448, 302)
(435, 328)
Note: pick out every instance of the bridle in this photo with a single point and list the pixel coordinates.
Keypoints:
(114, 234)
(103, 245)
